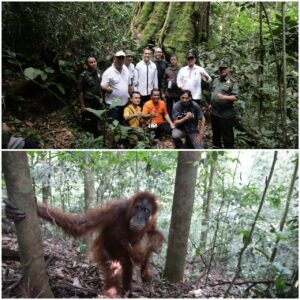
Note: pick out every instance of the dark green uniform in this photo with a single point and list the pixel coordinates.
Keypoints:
(89, 84)
(222, 111)
(227, 86)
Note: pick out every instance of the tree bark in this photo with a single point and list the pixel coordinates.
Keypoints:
(182, 209)
(19, 188)
(174, 26)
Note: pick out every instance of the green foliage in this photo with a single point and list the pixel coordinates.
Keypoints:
(234, 34)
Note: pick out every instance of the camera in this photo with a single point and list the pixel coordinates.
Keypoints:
(152, 126)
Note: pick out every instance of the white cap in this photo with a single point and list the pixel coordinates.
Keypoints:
(120, 53)
(158, 49)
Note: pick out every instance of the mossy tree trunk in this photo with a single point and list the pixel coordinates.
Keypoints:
(173, 26)
(19, 189)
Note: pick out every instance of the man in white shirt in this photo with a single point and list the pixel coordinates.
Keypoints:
(190, 77)
(145, 79)
(116, 84)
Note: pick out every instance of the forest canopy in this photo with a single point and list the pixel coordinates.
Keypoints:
(44, 45)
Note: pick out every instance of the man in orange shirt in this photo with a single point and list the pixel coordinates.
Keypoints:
(155, 110)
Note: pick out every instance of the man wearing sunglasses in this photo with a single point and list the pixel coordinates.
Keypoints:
(225, 92)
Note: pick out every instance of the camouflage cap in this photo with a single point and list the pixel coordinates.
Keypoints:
(130, 53)
(223, 63)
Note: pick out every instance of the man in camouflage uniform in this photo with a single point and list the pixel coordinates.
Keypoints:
(90, 95)
(225, 92)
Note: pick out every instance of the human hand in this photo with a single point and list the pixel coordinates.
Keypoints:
(203, 75)
(189, 116)
(139, 114)
(108, 89)
(172, 125)
(5, 127)
(198, 139)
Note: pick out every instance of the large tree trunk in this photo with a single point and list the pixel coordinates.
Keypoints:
(182, 209)
(173, 26)
(19, 188)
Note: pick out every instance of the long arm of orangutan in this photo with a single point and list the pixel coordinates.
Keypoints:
(73, 224)
(79, 224)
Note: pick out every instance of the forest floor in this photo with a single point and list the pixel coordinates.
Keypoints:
(73, 275)
(54, 131)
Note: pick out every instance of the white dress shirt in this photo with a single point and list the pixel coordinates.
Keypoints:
(145, 78)
(190, 79)
(119, 81)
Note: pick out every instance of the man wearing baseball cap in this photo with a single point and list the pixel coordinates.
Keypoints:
(225, 92)
(190, 77)
(116, 84)
(129, 64)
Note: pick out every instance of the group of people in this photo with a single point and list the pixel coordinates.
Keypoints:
(165, 98)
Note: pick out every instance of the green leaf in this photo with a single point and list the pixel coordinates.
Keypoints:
(63, 63)
(32, 73)
(279, 285)
(246, 237)
(116, 102)
(60, 87)
(70, 75)
(98, 113)
(44, 76)
(49, 70)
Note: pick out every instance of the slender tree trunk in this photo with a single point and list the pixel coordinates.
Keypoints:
(287, 206)
(46, 188)
(247, 238)
(283, 113)
(207, 208)
(261, 68)
(137, 181)
(89, 189)
(182, 209)
(278, 69)
(215, 233)
(19, 187)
